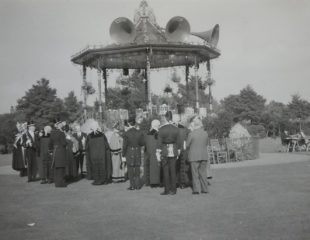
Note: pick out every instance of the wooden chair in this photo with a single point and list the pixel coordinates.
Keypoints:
(220, 153)
(211, 155)
(231, 148)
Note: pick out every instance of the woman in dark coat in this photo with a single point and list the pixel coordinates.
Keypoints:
(18, 160)
(58, 147)
(152, 166)
(96, 151)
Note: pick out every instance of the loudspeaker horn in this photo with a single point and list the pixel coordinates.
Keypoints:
(177, 29)
(122, 30)
(211, 36)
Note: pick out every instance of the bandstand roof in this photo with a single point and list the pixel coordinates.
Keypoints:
(134, 56)
(149, 40)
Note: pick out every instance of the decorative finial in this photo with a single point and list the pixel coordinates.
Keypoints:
(144, 11)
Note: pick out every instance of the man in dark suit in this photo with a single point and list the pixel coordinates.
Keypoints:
(31, 145)
(57, 146)
(133, 141)
(79, 155)
(169, 146)
(182, 165)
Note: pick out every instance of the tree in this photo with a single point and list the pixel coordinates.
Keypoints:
(219, 126)
(181, 96)
(40, 104)
(72, 107)
(7, 128)
(298, 111)
(130, 94)
(274, 118)
(298, 107)
(248, 105)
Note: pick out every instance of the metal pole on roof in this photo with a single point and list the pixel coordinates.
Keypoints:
(99, 92)
(148, 78)
(84, 88)
(196, 84)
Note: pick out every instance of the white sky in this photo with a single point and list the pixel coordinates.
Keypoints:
(264, 43)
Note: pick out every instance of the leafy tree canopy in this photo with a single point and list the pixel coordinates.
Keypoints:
(40, 104)
(72, 107)
(298, 107)
(248, 105)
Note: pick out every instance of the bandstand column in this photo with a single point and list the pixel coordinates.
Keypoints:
(105, 82)
(196, 85)
(209, 79)
(148, 78)
(99, 93)
(186, 83)
(84, 92)
(145, 87)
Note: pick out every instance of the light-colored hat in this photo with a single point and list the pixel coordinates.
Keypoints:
(155, 124)
(47, 129)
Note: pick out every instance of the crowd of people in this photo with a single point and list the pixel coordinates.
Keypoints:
(170, 155)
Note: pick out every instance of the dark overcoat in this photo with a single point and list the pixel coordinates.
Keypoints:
(96, 147)
(133, 141)
(44, 152)
(153, 164)
(58, 147)
(18, 158)
(169, 134)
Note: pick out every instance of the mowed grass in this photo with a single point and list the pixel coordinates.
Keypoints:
(252, 202)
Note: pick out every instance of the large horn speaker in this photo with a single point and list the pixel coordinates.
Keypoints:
(211, 36)
(177, 29)
(122, 30)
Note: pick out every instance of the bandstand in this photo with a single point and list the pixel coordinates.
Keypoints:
(142, 44)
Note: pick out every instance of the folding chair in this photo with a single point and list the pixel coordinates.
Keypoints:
(211, 155)
(231, 148)
(220, 153)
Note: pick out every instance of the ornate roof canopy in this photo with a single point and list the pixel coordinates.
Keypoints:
(140, 39)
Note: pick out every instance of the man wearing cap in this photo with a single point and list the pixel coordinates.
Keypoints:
(57, 146)
(169, 147)
(132, 143)
(31, 151)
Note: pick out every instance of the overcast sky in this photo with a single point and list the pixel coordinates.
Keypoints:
(264, 43)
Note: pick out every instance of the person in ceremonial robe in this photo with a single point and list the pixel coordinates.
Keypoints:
(168, 150)
(116, 142)
(79, 155)
(133, 140)
(96, 151)
(71, 148)
(31, 144)
(151, 165)
(45, 156)
(197, 142)
(57, 147)
(18, 157)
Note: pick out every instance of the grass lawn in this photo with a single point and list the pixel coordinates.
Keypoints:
(249, 201)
